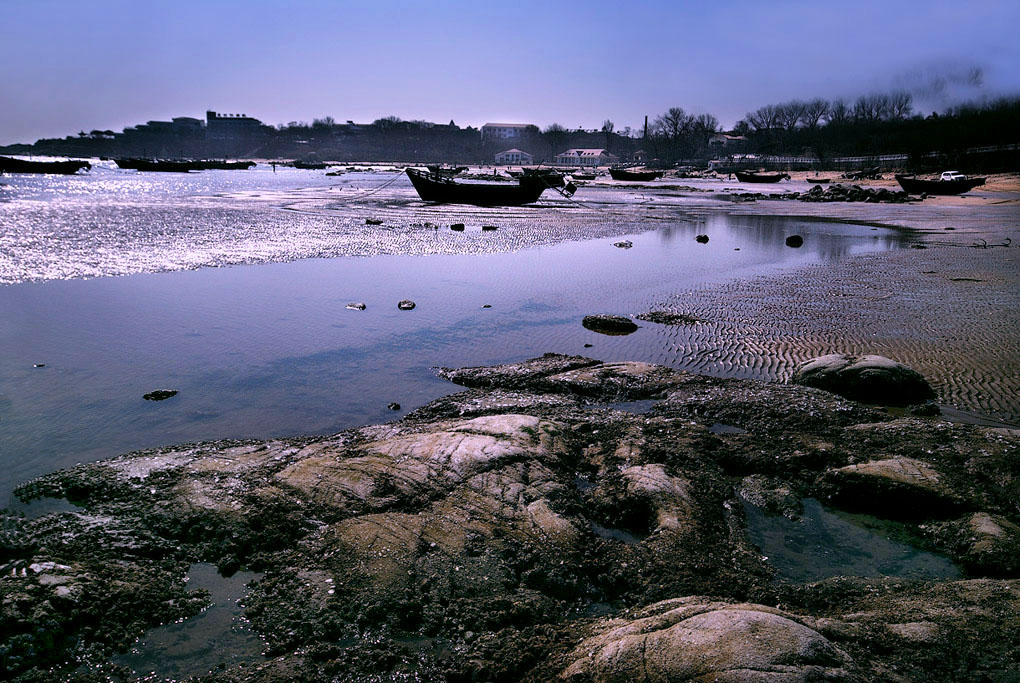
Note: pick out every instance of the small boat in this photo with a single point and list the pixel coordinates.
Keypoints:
(309, 165)
(10, 165)
(624, 174)
(449, 171)
(583, 176)
(817, 181)
(915, 185)
(224, 165)
(444, 190)
(160, 165)
(756, 177)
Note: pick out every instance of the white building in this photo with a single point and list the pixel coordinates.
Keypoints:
(586, 157)
(726, 140)
(514, 156)
(504, 131)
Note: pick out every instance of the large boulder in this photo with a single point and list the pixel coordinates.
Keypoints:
(871, 379)
(689, 639)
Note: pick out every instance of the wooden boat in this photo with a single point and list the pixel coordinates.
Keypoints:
(915, 185)
(624, 174)
(756, 177)
(310, 165)
(224, 165)
(817, 181)
(10, 165)
(160, 165)
(449, 171)
(583, 176)
(447, 191)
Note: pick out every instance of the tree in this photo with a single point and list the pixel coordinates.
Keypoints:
(324, 122)
(839, 113)
(764, 118)
(788, 115)
(900, 104)
(555, 134)
(607, 128)
(814, 110)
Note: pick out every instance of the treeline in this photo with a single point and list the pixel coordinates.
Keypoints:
(883, 123)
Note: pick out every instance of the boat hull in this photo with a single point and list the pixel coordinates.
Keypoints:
(944, 187)
(759, 177)
(623, 174)
(444, 191)
(9, 165)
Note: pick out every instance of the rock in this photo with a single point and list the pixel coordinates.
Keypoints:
(626, 244)
(489, 228)
(701, 239)
(406, 305)
(373, 221)
(986, 544)
(795, 241)
(667, 318)
(486, 305)
(627, 381)
(528, 373)
(897, 487)
(609, 324)
(39, 365)
(871, 379)
(393, 406)
(160, 394)
(459, 227)
(688, 639)
(357, 306)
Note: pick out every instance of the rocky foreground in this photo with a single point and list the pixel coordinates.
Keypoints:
(525, 529)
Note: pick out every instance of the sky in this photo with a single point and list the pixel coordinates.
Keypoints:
(70, 65)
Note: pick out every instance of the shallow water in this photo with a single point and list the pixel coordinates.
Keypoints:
(270, 350)
(823, 543)
(219, 635)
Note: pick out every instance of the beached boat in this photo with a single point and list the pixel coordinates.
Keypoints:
(817, 181)
(756, 177)
(443, 190)
(583, 176)
(915, 185)
(624, 174)
(160, 165)
(10, 165)
(449, 171)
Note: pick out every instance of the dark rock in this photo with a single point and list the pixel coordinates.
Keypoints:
(357, 306)
(794, 241)
(459, 227)
(406, 305)
(587, 346)
(39, 365)
(609, 324)
(160, 394)
(626, 244)
(489, 228)
(872, 379)
(394, 406)
(486, 305)
(373, 221)
(926, 409)
(701, 239)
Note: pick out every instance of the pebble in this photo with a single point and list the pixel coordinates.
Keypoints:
(459, 227)
(394, 406)
(406, 305)
(701, 239)
(357, 306)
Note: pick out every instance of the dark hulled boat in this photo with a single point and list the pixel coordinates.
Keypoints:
(624, 174)
(181, 165)
(915, 185)
(10, 165)
(446, 191)
(755, 177)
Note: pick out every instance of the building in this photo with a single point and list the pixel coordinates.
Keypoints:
(505, 131)
(230, 126)
(187, 124)
(726, 140)
(514, 156)
(586, 157)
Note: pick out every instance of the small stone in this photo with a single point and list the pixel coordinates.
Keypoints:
(406, 305)
(160, 394)
(357, 306)
(609, 324)
(587, 346)
(486, 305)
(459, 227)
(626, 244)
(488, 228)
(373, 221)
(39, 365)
(794, 241)
(394, 406)
(701, 239)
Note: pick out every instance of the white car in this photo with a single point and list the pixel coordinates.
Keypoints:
(952, 175)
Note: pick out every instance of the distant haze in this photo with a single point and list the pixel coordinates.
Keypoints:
(69, 65)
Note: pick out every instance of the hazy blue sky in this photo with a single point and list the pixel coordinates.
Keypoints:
(69, 65)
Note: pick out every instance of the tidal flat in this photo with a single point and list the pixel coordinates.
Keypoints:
(523, 529)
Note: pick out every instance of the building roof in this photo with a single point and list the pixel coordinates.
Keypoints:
(507, 125)
(511, 151)
(585, 153)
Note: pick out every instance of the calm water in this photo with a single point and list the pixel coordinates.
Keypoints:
(270, 350)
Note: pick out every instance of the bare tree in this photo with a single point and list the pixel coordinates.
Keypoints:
(839, 113)
(900, 104)
(788, 115)
(814, 110)
(763, 118)
(607, 128)
(555, 134)
(706, 124)
(871, 108)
